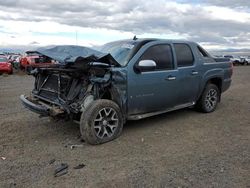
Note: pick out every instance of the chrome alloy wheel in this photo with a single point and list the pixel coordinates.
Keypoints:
(211, 99)
(106, 123)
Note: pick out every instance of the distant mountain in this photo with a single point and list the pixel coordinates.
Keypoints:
(11, 50)
(17, 49)
(231, 51)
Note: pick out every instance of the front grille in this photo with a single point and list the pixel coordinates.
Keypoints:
(50, 87)
(49, 95)
(51, 83)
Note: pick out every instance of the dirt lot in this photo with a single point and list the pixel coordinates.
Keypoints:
(179, 149)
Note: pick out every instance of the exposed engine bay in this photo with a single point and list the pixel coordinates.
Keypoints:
(65, 90)
(69, 91)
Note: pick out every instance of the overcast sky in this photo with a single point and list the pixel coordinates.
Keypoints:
(214, 24)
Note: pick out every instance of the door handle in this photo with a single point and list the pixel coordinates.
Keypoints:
(194, 72)
(170, 78)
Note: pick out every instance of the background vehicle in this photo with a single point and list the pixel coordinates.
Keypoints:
(5, 66)
(15, 60)
(127, 80)
(33, 60)
(236, 60)
(247, 60)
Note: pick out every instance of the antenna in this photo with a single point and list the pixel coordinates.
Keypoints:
(76, 38)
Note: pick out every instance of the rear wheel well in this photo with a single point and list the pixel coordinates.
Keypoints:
(216, 81)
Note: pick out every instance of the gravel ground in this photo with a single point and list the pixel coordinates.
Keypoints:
(178, 149)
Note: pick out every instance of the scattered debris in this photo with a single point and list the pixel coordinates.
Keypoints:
(52, 161)
(12, 185)
(3, 158)
(61, 173)
(79, 137)
(76, 146)
(61, 170)
(79, 166)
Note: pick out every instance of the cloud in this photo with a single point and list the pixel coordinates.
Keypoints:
(230, 3)
(212, 23)
(34, 43)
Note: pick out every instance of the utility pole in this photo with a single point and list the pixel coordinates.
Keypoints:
(76, 38)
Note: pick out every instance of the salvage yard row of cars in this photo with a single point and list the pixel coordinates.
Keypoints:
(238, 60)
(27, 62)
(33, 59)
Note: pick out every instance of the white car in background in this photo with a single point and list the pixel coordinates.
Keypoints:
(236, 60)
(247, 60)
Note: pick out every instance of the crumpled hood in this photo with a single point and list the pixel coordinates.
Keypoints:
(70, 54)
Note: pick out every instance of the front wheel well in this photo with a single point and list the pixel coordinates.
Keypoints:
(107, 95)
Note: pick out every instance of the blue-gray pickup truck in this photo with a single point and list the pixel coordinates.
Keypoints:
(126, 80)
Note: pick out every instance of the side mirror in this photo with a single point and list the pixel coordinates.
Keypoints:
(146, 65)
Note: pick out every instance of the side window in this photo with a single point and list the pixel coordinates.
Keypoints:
(161, 54)
(184, 55)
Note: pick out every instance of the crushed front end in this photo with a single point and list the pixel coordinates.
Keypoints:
(66, 89)
(66, 92)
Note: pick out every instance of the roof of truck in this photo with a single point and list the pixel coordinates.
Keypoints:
(155, 39)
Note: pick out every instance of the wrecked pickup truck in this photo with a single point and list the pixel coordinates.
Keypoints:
(126, 80)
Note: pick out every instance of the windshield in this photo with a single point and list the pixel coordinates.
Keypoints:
(120, 50)
(32, 54)
(3, 59)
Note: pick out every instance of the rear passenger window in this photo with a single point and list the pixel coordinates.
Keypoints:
(161, 54)
(184, 55)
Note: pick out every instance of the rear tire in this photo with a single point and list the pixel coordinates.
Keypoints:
(209, 99)
(101, 122)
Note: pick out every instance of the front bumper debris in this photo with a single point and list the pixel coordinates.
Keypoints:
(35, 107)
(38, 108)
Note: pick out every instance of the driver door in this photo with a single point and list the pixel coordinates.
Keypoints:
(153, 90)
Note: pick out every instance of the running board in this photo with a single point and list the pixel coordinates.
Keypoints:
(142, 116)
